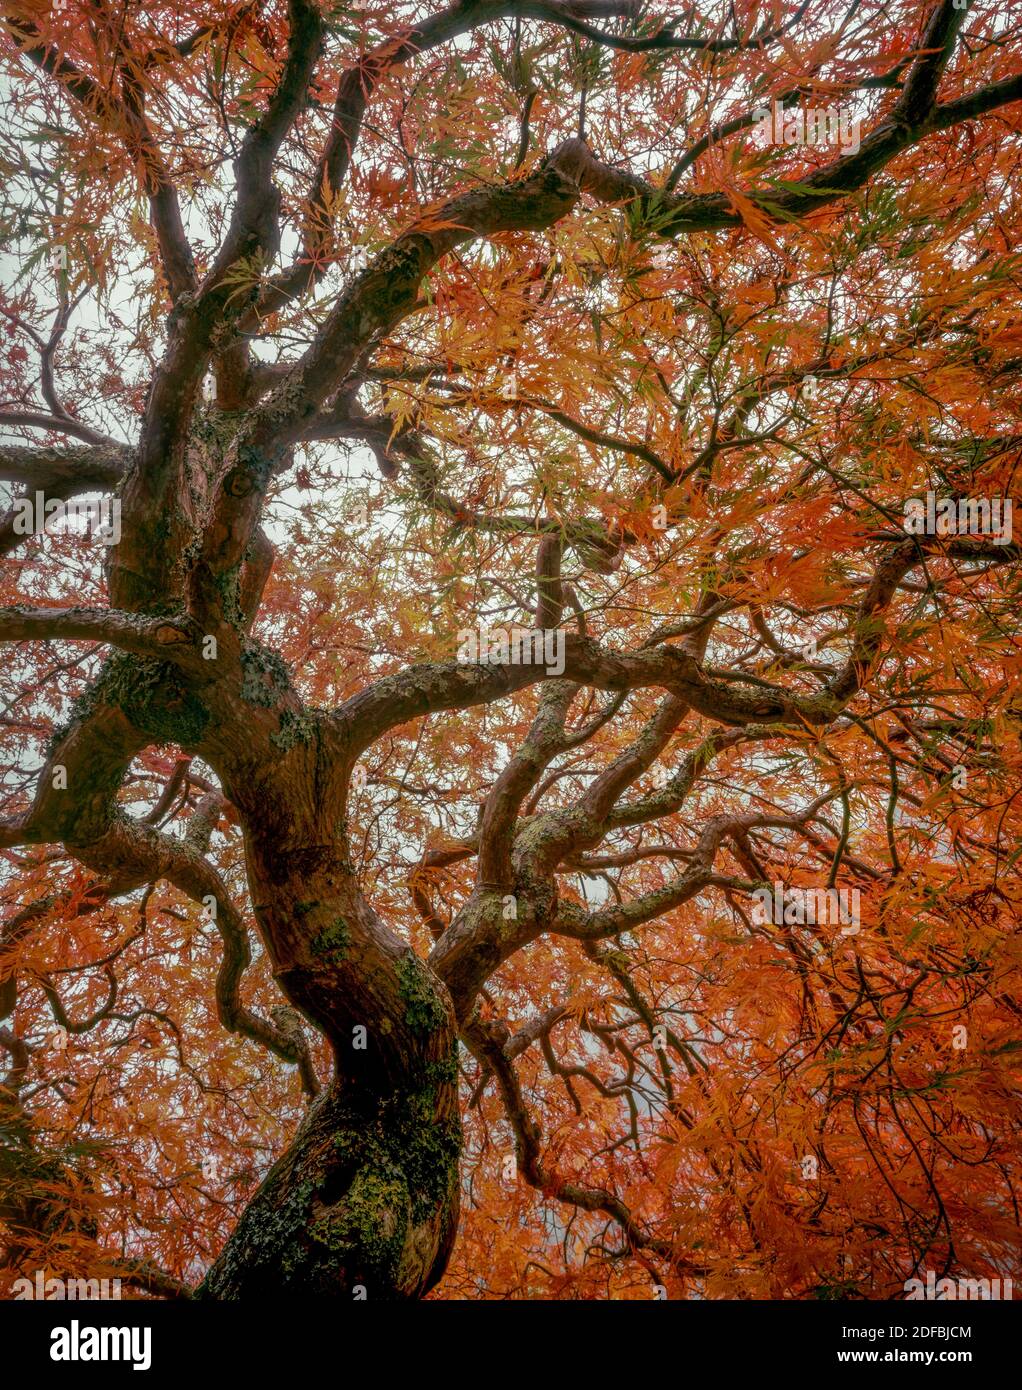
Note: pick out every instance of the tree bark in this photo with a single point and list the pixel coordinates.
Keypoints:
(364, 1204)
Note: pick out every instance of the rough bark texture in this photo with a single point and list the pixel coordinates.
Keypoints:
(364, 1202)
(366, 1197)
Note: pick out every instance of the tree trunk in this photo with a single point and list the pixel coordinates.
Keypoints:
(364, 1204)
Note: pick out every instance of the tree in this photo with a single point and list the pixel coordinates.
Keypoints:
(533, 770)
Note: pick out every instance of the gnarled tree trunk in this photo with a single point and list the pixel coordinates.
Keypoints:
(364, 1203)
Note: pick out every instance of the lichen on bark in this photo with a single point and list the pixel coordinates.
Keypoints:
(363, 1204)
(153, 694)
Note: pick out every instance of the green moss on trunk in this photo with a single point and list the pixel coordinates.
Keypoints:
(366, 1196)
(152, 693)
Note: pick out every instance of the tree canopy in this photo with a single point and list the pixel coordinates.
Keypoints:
(520, 798)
